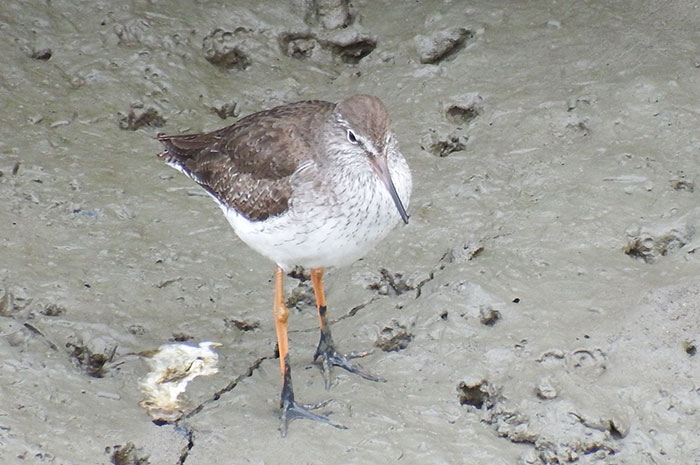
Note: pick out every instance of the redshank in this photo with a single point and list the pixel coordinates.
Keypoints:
(310, 183)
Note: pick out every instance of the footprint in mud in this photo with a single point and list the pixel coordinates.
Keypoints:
(588, 363)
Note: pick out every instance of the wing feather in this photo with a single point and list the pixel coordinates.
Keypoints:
(248, 166)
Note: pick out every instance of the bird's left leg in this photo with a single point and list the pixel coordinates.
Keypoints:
(326, 348)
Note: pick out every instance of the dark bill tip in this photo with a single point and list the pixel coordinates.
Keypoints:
(379, 165)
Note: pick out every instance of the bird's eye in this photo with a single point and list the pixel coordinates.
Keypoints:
(351, 137)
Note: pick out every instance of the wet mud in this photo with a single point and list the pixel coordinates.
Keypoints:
(541, 307)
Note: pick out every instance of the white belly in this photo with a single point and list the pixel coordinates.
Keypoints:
(318, 232)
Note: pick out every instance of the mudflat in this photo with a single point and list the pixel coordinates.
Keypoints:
(542, 306)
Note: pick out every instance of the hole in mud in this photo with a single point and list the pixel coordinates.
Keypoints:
(91, 360)
(181, 337)
(461, 114)
(614, 432)
(297, 45)
(390, 283)
(453, 143)
(351, 53)
(128, 455)
(243, 325)
(474, 394)
(488, 316)
(394, 337)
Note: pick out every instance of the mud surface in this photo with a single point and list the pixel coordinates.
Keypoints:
(542, 306)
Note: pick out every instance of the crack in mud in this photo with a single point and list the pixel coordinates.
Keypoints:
(189, 433)
(188, 430)
(229, 387)
(419, 286)
(353, 311)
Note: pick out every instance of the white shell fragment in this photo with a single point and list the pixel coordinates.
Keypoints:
(172, 367)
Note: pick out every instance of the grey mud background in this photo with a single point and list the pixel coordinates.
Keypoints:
(542, 306)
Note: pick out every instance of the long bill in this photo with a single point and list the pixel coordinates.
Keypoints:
(380, 167)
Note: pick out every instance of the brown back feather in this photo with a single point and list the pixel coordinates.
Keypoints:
(248, 165)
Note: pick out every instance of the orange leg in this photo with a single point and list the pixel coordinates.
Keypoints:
(326, 348)
(281, 313)
(291, 410)
(317, 281)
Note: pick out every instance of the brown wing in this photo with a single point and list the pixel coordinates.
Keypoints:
(248, 165)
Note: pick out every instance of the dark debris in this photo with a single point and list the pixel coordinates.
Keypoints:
(394, 337)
